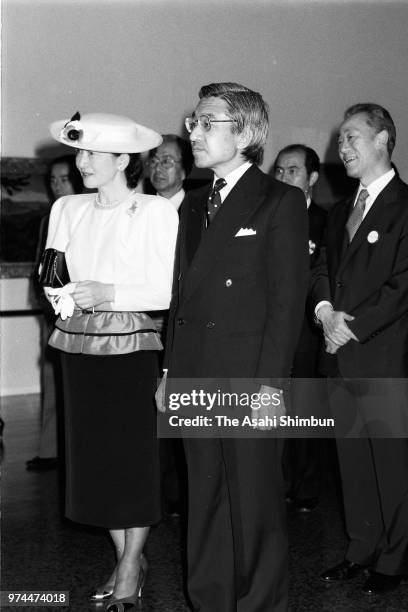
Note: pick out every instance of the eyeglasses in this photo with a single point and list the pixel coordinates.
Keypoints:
(165, 162)
(205, 122)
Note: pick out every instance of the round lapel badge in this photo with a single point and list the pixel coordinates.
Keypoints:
(373, 236)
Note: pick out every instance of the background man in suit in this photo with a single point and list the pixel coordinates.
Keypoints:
(238, 300)
(299, 165)
(169, 165)
(361, 297)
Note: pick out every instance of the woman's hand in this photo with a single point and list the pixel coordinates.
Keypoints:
(88, 294)
(61, 300)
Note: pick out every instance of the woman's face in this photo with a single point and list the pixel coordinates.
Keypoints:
(98, 169)
(60, 184)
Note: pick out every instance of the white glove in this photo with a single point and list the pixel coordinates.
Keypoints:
(62, 301)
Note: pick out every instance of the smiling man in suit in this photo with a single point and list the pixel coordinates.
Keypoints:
(240, 284)
(361, 295)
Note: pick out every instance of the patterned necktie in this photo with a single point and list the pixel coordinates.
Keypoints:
(214, 199)
(356, 217)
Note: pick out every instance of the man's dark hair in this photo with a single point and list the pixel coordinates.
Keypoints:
(184, 147)
(312, 162)
(378, 118)
(249, 111)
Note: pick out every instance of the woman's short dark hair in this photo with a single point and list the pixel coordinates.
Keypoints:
(133, 170)
(74, 176)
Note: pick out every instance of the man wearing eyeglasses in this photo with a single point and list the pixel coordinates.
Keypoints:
(168, 166)
(238, 299)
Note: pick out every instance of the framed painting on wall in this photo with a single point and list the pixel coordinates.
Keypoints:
(24, 201)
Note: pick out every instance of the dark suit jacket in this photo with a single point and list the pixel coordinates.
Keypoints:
(317, 223)
(369, 280)
(307, 353)
(238, 301)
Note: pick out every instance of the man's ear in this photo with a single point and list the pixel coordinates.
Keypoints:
(244, 138)
(382, 137)
(313, 178)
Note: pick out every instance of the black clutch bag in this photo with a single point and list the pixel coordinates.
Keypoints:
(54, 271)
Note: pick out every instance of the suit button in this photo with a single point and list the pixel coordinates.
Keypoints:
(180, 321)
(228, 282)
(210, 324)
(339, 284)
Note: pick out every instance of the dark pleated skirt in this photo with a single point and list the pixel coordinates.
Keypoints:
(112, 459)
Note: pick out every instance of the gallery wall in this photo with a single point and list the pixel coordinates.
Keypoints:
(147, 59)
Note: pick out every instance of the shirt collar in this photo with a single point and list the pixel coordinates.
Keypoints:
(232, 179)
(177, 198)
(378, 185)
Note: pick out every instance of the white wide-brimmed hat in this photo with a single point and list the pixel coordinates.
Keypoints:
(105, 133)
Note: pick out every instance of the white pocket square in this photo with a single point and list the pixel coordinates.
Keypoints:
(245, 231)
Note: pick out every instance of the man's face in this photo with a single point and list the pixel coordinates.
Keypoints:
(219, 149)
(360, 149)
(290, 168)
(167, 181)
(60, 183)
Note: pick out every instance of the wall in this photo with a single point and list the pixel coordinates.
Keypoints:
(20, 338)
(148, 59)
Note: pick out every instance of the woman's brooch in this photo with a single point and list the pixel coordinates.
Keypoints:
(131, 211)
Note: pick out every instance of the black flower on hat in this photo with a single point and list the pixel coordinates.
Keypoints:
(72, 129)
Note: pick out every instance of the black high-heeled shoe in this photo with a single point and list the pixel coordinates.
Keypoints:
(103, 592)
(122, 604)
(100, 594)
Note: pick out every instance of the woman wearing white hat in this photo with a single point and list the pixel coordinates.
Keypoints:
(118, 247)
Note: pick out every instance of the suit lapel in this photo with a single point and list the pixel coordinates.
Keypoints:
(342, 214)
(311, 213)
(195, 222)
(370, 222)
(240, 203)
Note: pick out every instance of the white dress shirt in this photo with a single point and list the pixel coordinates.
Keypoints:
(232, 179)
(374, 189)
(177, 198)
